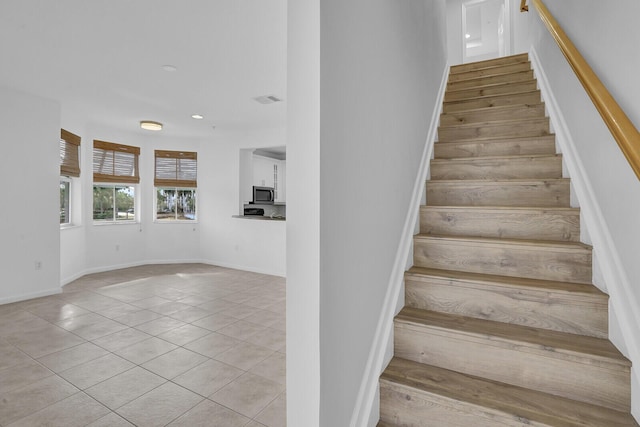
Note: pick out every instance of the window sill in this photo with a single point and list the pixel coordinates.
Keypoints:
(175, 221)
(101, 224)
(70, 226)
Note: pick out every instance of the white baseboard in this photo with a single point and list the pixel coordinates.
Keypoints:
(366, 409)
(23, 297)
(610, 267)
(246, 268)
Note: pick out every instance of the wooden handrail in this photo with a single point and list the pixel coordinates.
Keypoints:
(523, 6)
(620, 126)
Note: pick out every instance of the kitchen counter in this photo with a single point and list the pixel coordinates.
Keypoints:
(259, 218)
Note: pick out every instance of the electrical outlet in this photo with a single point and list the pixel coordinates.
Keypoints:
(38, 265)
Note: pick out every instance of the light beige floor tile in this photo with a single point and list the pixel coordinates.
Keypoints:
(169, 308)
(23, 374)
(194, 299)
(208, 377)
(275, 414)
(11, 356)
(146, 350)
(240, 311)
(210, 414)
(271, 338)
(265, 317)
(24, 401)
(215, 321)
(184, 334)
(98, 330)
(111, 420)
(138, 317)
(174, 363)
(74, 411)
(95, 371)
(150, 302)
(248, 395)
(213, 344)
(217, 305)
(73, 356)
(241, 330)
(160, 406)
(273, 368)
(74, 323)
(120, 310)
(244, 355)
(58, 311)
(125, 387)
(21, 322)
(121, 339)
(261, 302)
(45, 340)
(238, 297)
(160, 325)
(254, 423)
(190, 314)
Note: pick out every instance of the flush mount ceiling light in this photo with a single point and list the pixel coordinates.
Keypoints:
(149, 125)
(267, 99)
(467, 36)
(169, 68)
(197, 116)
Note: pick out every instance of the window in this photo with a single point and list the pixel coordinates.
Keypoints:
(69, 167)
(113, 203)
(65, 214)
(115, 167)
(176, 181)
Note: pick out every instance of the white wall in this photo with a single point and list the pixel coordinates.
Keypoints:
(518, 23)
(215, 237)
(29, 220)
(381, 64)
(246, 244)
(303, 213)
(610, 197)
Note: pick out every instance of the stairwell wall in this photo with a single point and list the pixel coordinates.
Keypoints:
(381, 64)
(607, 189)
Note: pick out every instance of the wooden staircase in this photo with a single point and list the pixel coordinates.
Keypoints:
(502, 326)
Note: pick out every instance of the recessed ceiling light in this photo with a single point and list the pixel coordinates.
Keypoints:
(170, 68)
(197, 116)
(267, 99)
(467, 36)
(149, 125)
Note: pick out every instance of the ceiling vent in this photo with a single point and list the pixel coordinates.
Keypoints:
(267, 99)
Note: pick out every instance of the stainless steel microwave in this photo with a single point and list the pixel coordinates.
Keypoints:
(263, 195)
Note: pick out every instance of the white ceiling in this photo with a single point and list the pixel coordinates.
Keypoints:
(102, 60)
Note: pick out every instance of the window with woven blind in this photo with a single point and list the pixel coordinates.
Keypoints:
(115, 162)
(176, 169)
(69, 154)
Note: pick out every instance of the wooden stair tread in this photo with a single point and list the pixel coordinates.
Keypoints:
(494, 158)
(520, 57)
(500, 70)
(490, 279)
(489, 241)
(518, 404)
(478, 82)
(495, 122)
(515, 209)
(515, 181)
(555, 343)
(489, 85)
(501, 95)
(491, 109)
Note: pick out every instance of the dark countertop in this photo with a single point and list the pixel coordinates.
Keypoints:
(260, 218)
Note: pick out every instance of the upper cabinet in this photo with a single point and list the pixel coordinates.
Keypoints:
(270, 172)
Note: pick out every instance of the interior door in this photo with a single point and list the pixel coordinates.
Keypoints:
(485, 29)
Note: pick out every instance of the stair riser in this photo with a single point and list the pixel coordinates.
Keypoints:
(522, 168)
(533, 225)
(545, 309)
(575, 377)
(503, 259)
(531, 127)
(513, 59)
(498, 89)
(489, 114)
(404, 406)
(484, 81)
(485, 72)
(492, 101)
(544, 145)
(451, 193)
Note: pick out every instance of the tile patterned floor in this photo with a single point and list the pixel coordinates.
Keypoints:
(161, 345)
